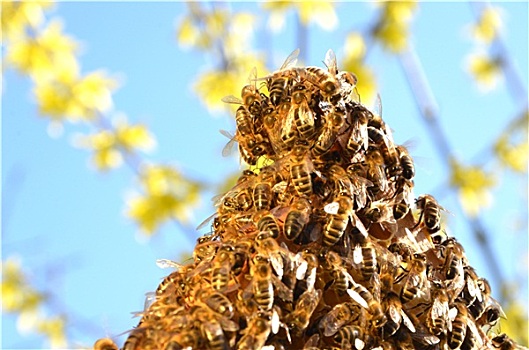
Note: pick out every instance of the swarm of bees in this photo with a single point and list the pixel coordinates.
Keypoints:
(324, 247)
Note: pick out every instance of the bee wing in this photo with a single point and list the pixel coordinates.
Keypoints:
(277, 264)
(358, 298)
(302, 266)
(394, 314)
(150, 297)
(377, 108)
(291, 60)
(312, 342)
(477, 335)
(232, 99)
(253, 75)
(230, 146)
(227, 324)
(473, 289)
(283, 291)
(305, 114)
(357, 254)
(359, 344)
(311, 279)
(330, 62)
(358, 224)
(276, 323)
(206, 221)
(166, 263)
(332, 208)
(407, 321)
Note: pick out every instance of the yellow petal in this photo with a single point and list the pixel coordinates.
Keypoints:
(488, 26)
(486, 70)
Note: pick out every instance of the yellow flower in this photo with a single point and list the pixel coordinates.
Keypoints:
(393, 24)
(355, 47)
(17, 15)
(473, 184)
(168, 195)
(104, 144)
(513, 155)
(213, 85)
(53, 329)
(50, 55)
(366, 86)
(320, 12)
(488, 25)
(485, 70)
(132, 137)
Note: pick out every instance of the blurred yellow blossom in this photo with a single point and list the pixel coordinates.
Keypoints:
(17, 15)
(49, 55)
(485, 70)
(17, 295)
(355, 46)
(366, 86)
(488, 25)
(167, 195)
(54, 329)
(322, 13)
(75, 99)
(392, 28)
(104, 144)
(473, 185)
(133, 137)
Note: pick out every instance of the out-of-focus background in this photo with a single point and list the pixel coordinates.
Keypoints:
(111, 148)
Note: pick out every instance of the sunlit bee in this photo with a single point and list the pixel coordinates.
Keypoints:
(401, 249)
(343, 184)
(459, 327)
(277, 82)
(288, 132)
(400, 209)
(220, 304)
(220, 270)
(358, 138)
(437, 318)
(454, 257)
(329, 133)
(262, 286)
(256, 333)
(369, 261)
(375, 171)
(105, 344)
(299, 169)
(262, 192)
(364, 298)
(214, 335)
(430, 212)
(135, 339)
(414, 278)
(299, 318)
(243, 121)
(183, 340)
(336, 223)
(268, 247)
(406, 162)
(336, 318)
(353, 334)
(302, 113)
(205, 251)
(267, 222)
(317, 76)
(297, 218)
(338, 271)
(503, 342)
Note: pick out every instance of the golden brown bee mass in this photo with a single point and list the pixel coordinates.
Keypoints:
(324, 247)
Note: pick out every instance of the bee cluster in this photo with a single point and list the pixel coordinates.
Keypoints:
(321, 249)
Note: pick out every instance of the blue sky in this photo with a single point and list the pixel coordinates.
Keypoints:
(65, 221)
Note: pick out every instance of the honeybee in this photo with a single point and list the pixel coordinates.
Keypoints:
(214, 335)
(358, 138)
(352, 334)
(135, 339)
(278, 82)
(368, 263)
(297, 218)
(325, 81)
(503, 342)
(328, 135)
(300, 168)
(343, 184)
(262, 192)
(364, 298)
(262, 287)
(375, 171)
(256, 333)
(414, 278)
(220, 269)
(183, 340)
(430, 212)
(301, 112)
(105, 344)
(268, 222)
(406, 163)
(340, 315)
(437, 316)
(396, 315)
(299, 318)
(460, 320)
(338, 215)
(288, 132)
